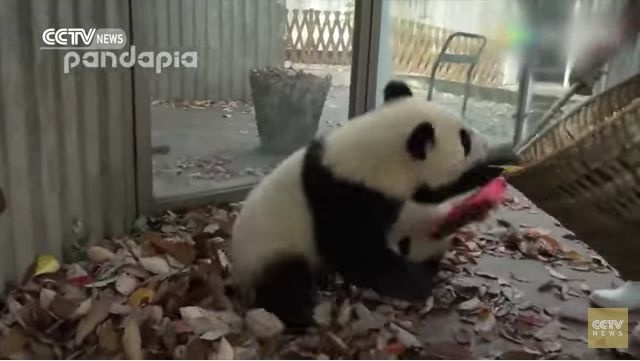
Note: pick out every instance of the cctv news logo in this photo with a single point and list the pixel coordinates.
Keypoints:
(608, 328)
(95, 48)
(77, 38)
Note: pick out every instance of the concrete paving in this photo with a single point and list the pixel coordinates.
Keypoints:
(216, 137)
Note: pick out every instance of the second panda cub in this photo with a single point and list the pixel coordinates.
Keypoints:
(333, 204)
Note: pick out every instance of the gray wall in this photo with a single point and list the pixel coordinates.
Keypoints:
(66, 140)
(231, 37)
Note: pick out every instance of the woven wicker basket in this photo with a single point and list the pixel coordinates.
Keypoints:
(586, 173)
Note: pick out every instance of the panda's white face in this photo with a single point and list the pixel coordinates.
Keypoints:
(451, 167)
(410, 149)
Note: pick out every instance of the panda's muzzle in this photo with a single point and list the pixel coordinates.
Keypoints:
(475, 177)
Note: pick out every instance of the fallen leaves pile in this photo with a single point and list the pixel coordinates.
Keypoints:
(227, 106)
(164, 292)
(216, 168)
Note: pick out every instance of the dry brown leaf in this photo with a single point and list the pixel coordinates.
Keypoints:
(551, 346)
(126, 284)
(213, 335)
(169, 336)
(223, 259)
(62, 307)
(46, 297)
(344, 313)
(486, 324)
(530, 349)
(109, 340)
(556, 274)
(405, 337)
(518, 355)
(182, 251)
(174, 262)
(263, 324)
(83, 309)
(471, 305)
(428, 306)
(75, 271)
(41, 351)
(225, 350)
(510, 333)
(574, 256)
(549, 332)
(362, 311)
(156, 265)
(13, 342)
(97, 254)
(322, 313)
(132, 341)
(201, 320)
(585, 288)
(548, 244)
(99, 312)
(196, 350)
(136, 271)
(120, 309)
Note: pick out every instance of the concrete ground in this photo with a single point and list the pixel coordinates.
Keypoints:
(527, 275)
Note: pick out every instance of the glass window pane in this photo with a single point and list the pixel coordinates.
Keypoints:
(414, 33)
(218, 126)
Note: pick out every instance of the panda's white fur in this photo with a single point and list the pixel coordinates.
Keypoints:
(260, 234)
(414, 225)
(371, 166)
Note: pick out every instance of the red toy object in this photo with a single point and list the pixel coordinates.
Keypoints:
(473, 208)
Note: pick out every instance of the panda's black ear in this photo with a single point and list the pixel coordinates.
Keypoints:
(396, 89)
(420, 138)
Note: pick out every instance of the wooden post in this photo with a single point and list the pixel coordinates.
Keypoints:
(288, 104)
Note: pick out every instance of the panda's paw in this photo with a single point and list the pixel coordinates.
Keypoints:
(413, 285)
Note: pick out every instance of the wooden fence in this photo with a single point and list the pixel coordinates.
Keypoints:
(416, 47)
(233, 36)
(324, 37)
(319, 37)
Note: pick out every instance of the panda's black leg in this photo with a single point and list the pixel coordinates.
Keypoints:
(286, 288)
(391, 275)
(431, 267)
(400, 278)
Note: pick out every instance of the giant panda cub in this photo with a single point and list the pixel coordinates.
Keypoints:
(333, 204)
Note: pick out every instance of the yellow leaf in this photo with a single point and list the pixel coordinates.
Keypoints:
(132, 342)
(141, 297)
(46, 263)
(508, 169)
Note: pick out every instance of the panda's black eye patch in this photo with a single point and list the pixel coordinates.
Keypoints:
(421, 136)
(465, 140)
(404, 246)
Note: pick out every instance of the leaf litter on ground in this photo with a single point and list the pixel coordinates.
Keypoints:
(162, 293)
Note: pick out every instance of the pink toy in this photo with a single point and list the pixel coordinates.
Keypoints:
(473, 208)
